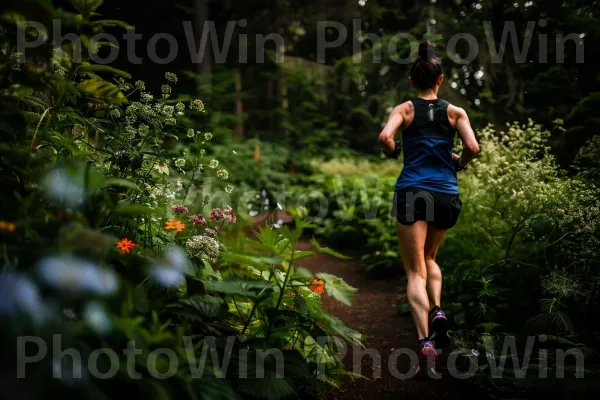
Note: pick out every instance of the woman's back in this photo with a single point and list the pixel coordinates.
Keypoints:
(426, 202)
(427, 143)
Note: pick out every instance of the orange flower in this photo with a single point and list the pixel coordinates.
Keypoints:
(7, 226)
(174, 225)
(317, 286)
(125, 245)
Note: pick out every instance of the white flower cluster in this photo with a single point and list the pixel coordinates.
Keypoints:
(203, 246)
(517, 179)
(223, 174)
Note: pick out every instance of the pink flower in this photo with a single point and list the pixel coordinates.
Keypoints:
(179, 209)
(229, 215)
(197, 219)
(216, 214)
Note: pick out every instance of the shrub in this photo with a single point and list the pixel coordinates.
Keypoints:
(523, 258)
(113, 248)
(260, 170)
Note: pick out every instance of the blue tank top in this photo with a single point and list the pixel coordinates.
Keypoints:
(427, 146)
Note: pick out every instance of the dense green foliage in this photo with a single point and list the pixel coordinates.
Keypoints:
(91, 156)
(118, 235)
(523, 259)
(344, 100)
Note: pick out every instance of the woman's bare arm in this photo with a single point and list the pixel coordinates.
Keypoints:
(467, 136)
(386, 137)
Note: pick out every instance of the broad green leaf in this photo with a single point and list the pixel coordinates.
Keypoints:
(32, 117)
(291, 234)
(86, 7)
(298, 254)
(283, 245)
(269, 386)
(21, 20)
(111, 23)
(300, 304)
(238, 287)
(94, 48)
(102, 89)
(337, 288)
(194, 286)
(302, 272)
(68, 143)
(302, 224)
(335, 325)
(121, 182)
(203, 307)
(266, 381)
(326, 250)
(255, 261)
(103, 69)
(266, 235)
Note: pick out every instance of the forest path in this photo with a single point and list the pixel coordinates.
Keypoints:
(374, 314)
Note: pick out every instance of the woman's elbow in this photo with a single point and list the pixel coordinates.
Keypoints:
(474, 148)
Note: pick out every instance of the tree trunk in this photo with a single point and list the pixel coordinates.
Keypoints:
(201, 16)
(283, 87)
(239, 105)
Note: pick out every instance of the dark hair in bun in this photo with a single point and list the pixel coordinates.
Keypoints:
(427, 68)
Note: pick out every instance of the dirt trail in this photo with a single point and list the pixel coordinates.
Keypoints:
(374, 313)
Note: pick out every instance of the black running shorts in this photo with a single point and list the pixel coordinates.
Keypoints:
(440, 210)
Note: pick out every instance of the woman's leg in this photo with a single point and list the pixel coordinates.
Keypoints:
(411, 240)
(438, 322)
(434, 274)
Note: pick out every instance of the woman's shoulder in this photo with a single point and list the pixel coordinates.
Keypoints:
(455, 113)
(455, 110)
(406, 108)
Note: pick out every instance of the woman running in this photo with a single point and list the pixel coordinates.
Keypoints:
(426, 199)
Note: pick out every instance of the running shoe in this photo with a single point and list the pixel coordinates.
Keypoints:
(427, 359)
(438, 328)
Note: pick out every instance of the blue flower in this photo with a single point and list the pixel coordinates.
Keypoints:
(20, 295)
(167, 276)
(171, 273)
(97, 319)
(62, 188)
(77, 276)
(177, 258)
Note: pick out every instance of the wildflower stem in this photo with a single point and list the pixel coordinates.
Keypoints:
(187, 190)
(38, 127)
(250, 317)
(287, 277)
(296, 336)
(516, 230)
(254, 309)
(239, 312)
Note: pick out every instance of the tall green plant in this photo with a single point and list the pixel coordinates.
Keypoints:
(112, 240)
